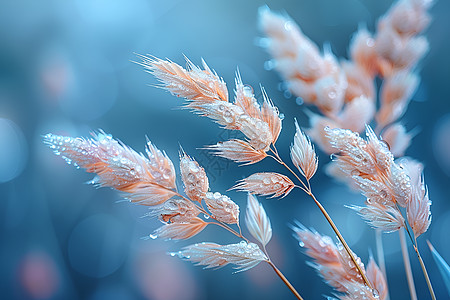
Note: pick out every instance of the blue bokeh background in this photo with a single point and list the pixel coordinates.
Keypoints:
(66, 67)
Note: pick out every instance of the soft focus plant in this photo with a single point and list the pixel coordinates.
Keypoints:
(344, 96)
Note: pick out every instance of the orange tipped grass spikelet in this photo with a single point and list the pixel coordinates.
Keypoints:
(303, 155)
(336, 88)
(335, 266)
(180, 230)
(266, 184)
(387, 184)
(194, 178)
(260, 125)
(222, 208)
(238, 151)
(147, 181)
(242, 255)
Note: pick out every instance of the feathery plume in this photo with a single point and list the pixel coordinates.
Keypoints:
(194, 178)
(330, 263)
(418, 207)
(271, 115)
(244, 256)
(257, 221)
(397, 42)
(317, 79)
(238, 151)
(207, 96)
(266, 184)
(147, 181)
(180, 230)
(386, 218)
(377, 278)
(371, 166)
(303, 155)
(333, 263)
(222, 208)
(245, 99)
(191, 83)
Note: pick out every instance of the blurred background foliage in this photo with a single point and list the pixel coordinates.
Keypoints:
(66, 67)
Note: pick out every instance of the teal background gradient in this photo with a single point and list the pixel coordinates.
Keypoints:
(66, 67)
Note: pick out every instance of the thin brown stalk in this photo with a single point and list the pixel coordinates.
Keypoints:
(425, 273)
(327, 216)
(406, 261)
(380, 255)
(422, 264)
(284, 279)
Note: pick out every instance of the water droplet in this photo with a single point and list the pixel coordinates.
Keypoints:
(287, 94)
(281, 116)
(301, 244)
(173, 254)
(288, 25)
(206, 217)
(375, 294)
(355, 172)
(153, 236)
(269, 64)
(281, 86)
(299, 101)
(262, 42)
(333, 157)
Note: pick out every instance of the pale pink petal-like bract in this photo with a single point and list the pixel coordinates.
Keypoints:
(257, 221)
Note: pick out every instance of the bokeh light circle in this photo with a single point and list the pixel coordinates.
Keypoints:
(98, 246)
(13, 150)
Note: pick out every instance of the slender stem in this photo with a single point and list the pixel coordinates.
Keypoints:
(424, 269)
(341, 239)
(425, 273)
(406, 261)
(286, 282)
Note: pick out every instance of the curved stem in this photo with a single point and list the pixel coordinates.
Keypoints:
(286, 282)
(407, 263)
